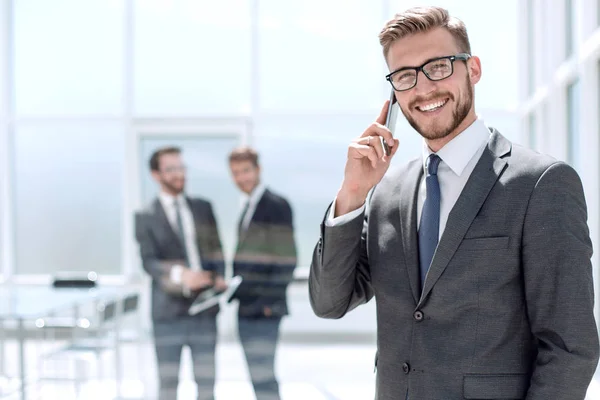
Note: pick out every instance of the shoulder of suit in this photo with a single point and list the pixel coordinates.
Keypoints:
(274, 197)
(147, 210)
(530, 163)
(199, 201)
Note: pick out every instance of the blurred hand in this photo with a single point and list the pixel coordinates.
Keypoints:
(195, 280)
(220, 283)
(267, 311)
(366, 164)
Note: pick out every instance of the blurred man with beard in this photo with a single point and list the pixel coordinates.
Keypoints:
(477, 253)
(181, 250)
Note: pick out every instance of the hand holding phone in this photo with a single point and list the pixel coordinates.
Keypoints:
(369, 158)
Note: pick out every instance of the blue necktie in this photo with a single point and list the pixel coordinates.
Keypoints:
(429, 227)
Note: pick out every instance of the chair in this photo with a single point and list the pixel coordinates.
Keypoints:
(90, 340)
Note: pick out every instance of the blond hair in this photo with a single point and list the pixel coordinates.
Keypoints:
(423, 19)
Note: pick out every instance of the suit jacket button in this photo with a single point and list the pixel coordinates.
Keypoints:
(406, 368)
(418, 315)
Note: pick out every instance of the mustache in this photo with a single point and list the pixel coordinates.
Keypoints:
(430, 99)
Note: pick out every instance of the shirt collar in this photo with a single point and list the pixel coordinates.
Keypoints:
(457, 153)
(168, 200)
(256, 194)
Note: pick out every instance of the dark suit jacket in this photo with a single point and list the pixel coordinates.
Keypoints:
(507, 307)
(161, 248)
(266, 258)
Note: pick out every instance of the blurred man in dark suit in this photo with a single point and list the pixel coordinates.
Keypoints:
(265, 258)
(181, 250)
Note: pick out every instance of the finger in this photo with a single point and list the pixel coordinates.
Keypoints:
(375, 142)
(380, 130)
(383, 113)
(359, 151)
(395, 147)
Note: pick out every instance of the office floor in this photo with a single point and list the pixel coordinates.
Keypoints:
(316, 372)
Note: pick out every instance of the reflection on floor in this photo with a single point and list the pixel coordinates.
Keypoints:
(305, 372)
(315, 372)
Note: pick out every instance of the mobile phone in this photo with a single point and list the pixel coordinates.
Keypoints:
(390, 122)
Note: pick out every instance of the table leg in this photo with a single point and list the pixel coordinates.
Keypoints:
(21, 330)
(2, 334)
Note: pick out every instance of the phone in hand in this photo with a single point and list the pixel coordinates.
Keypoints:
(390, 122)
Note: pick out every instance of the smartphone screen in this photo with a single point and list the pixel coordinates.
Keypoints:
(390, 122)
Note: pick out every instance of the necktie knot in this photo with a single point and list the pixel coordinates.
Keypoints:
(433, 162)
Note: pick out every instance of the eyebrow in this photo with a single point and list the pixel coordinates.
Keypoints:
(417, 66)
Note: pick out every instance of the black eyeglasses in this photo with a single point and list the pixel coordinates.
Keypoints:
(435, 70)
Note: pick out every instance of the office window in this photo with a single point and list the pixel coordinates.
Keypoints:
(573, 129)
(530, 47)
(326, 60)
(68, 57)
(531, 131)
(192, 57)
(68, 190)
(570, 27)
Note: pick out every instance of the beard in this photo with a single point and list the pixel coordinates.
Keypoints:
(460, 112)
(173, 187)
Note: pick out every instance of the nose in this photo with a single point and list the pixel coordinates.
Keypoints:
(424, 85)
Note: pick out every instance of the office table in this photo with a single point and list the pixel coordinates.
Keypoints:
(23, 303)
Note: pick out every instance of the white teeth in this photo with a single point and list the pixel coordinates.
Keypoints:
(432, 106)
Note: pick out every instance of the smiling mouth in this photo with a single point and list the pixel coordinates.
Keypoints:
(429, 107)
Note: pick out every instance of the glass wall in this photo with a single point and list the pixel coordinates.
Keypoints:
(573, 131)
(571, 41)
(68, 57)
(82, 68)
(531, 130)
(530, 46)
(191, 57)
(68, 192)
(68, 145)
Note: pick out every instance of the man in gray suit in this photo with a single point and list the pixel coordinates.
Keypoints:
(181, 250)
(478, 253)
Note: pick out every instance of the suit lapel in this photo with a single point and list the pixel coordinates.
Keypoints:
(199, 226)
(161, 216)
(409, 191)
(256, 212)
(487, 171)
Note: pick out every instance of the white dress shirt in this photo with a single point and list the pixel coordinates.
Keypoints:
(253, 199)
(189, 231)
(459, 157)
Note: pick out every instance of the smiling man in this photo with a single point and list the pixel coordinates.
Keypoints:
(478, 252)
(265, 257)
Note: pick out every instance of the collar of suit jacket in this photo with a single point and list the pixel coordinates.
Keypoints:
(168, 200)
(256, 195)
(459, 151)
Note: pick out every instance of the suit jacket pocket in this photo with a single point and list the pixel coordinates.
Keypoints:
(485, 243)
(495, 386)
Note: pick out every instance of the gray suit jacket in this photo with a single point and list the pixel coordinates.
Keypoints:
(506, 311)
(161, 248)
